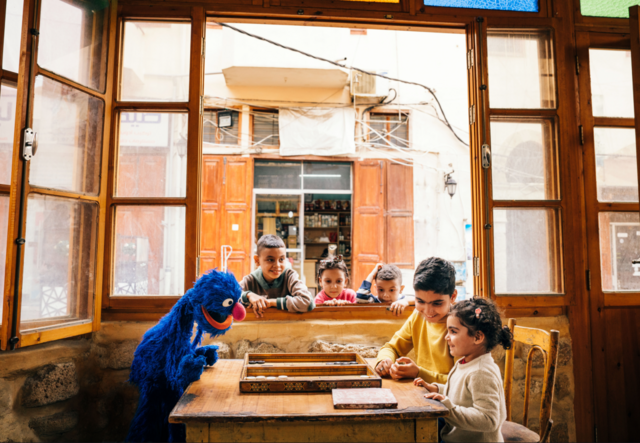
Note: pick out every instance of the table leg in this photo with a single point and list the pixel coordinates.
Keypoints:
(427, 431)
(197, 432)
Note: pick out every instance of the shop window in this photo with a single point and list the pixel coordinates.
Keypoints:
(155, 63)
(616, 167)
(7, 128)
(221, 127)
(326, 176)
(265, 129)
(149, 250)
(505, 5)
(69, 127)
(152, 155)
(610, 73)
(12, 34)
(277, 175)
(619, 247)
(67, 44)
(521, 69)
(388, 130)
(60, 262)
(607, 8)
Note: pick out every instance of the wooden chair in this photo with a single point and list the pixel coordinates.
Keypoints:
(547, 344)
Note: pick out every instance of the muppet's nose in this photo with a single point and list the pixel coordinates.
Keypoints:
(239, 313)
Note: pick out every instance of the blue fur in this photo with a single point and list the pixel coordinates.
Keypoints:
(166, 361)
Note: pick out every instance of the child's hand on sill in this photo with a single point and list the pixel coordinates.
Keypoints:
(336, 303)
(398, 307)
(428, 386)
(259, 304)
(404, 367)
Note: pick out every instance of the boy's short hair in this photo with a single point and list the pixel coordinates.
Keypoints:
(269, 241)
(389, 272)
(435, 274)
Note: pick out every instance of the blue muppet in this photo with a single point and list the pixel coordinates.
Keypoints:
(167, 361)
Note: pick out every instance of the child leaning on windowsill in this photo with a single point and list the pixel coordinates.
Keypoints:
(273, 284)
(389, 287)
(474, 393)
(333, 276)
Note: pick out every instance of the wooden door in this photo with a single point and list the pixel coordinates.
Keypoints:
(613, 230)
(227, 185)
(368, 217)
(399, 216)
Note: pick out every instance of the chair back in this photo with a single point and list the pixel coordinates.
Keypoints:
(547, 344)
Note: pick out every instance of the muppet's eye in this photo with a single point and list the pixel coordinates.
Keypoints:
(228, 302)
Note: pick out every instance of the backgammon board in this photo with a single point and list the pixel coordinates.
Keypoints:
(312, 372)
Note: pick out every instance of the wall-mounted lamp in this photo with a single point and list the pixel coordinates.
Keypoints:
(450, 184)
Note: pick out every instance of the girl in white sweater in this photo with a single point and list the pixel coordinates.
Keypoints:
(474, 393)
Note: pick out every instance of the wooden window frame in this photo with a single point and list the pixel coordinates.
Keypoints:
(240, 117)
(252, 123)
(390, 112)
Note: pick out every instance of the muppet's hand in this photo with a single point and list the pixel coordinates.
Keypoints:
(190, 369)
(210, 353)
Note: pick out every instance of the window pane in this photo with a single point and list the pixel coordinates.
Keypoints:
(527, 251)
(616, 167)
(327, 176)
(69, 126)
(611, 87)
(607, 8)
(7, 128)
(152, 159)
(221, 127)
(155, 64)
(619, 245)
(265, 129)
(4, 225)
(387, 130)
(504, 5)
(279, 215)
(524, 160)
(521, 73)
(149, 246)
(60, 262)
(277, 175)
(12, 35)
(70, 42)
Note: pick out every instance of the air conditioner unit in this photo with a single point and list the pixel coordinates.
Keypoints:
(367, 86)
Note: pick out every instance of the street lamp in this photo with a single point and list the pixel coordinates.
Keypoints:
(450, 184)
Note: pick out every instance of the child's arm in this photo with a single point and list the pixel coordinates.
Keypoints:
(484, 415)
(300, 299)
(398, 307)
(257, 302)
(400, 344)
(364, 294)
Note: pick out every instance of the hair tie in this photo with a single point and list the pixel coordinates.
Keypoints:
(478, 311)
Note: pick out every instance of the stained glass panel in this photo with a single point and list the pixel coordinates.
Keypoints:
(498, 5)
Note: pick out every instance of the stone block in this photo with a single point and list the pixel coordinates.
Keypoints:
(115, 355)
(245, 346)
(55, 424)
(562, 387)
(519, 369)
(224, 351)
(364, 350)
(559, 433)
(50, 384)
(564, 352)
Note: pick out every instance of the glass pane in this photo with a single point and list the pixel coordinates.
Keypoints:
(277, 175)
(527, 251)
(71, 38)
(389, 129)
(155, 64)
(616, 168)
(607, 8)
(12, 35)
(149, 246)
(58, 283)
(327, 176)
(524, 160)
(221, 127)
(7, 128)
(279, 215)
(619, 246)
(266, 131)
(295, 260)
(152, 158)
(611, 86)
(521, 73)
(69, 126)
(504, 5)
(4, 226)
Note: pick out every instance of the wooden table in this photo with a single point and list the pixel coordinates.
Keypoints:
(213, 409)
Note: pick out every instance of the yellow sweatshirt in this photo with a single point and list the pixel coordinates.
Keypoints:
(432, 352)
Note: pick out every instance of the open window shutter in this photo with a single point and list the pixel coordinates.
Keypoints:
(399, 216)
(235, 230)
(210, 212)
(368, 217)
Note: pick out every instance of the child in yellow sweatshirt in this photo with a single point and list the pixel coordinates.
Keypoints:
(434, 284)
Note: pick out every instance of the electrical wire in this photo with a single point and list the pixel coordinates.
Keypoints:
(288, 48)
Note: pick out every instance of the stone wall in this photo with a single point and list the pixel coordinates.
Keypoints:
(77, 390)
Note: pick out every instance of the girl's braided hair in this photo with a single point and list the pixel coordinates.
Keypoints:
(333, 263)
(481, 314)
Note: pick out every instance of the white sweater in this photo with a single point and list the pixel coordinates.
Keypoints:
(475, 399)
